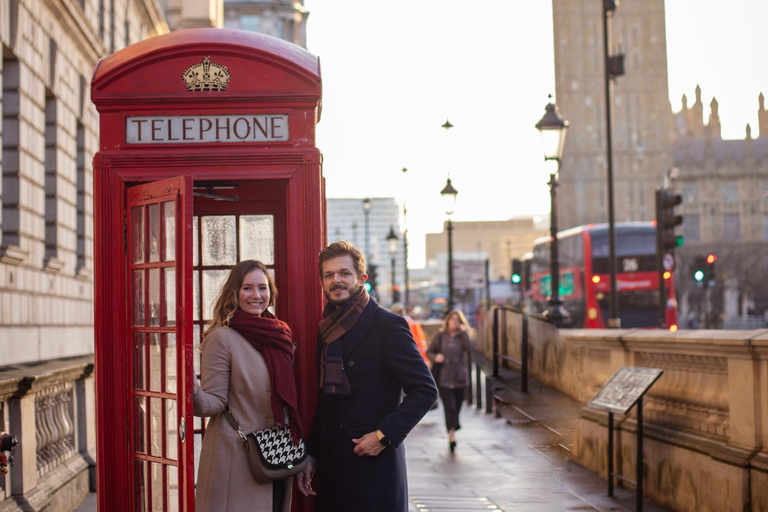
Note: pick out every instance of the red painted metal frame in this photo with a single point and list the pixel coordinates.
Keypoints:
(269, 75)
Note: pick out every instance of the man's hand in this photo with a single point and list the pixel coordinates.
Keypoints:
(368, 445)
(439, 358)
(305, 480)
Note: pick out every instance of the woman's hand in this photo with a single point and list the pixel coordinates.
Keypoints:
(304, 479)
(439, 358)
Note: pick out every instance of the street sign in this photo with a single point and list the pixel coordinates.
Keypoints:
(668, 261)
(469, 274)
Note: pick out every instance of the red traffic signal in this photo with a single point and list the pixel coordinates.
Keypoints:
(711, 258)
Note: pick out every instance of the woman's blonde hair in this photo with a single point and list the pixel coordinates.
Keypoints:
(227, 302)
(462, 319)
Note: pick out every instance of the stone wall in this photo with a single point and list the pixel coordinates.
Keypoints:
(706, 418)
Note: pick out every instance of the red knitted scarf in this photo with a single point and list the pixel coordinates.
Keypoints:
(272, 338)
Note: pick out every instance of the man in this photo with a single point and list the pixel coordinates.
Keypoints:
(366, 360)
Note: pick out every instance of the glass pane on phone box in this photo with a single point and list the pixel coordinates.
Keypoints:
(195, 239)
(155, 367)
(196, 295)
(154, 296)
(171, 430)
(219, 239)
(154, 232)
(213, 280)
(169, 312)
(137, 234)
(139, 362)
(169, 223)
(198, 449)
(172, 477)
(257, 238)
(138, 298)
(157, 487)
(171, 362)
(139, 424)
(140, 485)
(197, 353)
(156, 427)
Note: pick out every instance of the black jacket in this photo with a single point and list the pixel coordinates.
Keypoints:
(381, 362)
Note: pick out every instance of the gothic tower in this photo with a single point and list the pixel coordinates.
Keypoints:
(642, 118)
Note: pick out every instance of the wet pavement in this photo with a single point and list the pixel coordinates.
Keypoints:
(516, 459)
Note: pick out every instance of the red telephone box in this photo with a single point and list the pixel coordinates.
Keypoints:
(207, 157)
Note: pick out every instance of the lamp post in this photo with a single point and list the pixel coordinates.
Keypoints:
(553, 129)
(367, 212)
(449, 201)
(405, 244)
(392, 243)
(614, 67)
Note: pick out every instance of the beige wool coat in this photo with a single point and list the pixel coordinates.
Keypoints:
(233, 373)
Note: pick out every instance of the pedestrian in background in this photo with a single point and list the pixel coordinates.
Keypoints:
(247, 369)
(451, 353)
(398, 308)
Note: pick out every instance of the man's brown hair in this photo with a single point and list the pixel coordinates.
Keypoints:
(342, 248)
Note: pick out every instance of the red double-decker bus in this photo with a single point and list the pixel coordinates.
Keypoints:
(585, 276)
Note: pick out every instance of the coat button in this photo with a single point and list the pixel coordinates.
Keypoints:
(351, 364)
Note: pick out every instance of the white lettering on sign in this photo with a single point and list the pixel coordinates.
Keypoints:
(197, 129)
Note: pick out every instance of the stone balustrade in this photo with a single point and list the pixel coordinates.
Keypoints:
(49, 407)
(706, 418)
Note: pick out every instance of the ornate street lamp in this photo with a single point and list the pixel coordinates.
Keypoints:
(405, 244)
(553, 129)
(392, 243)
(449, 202)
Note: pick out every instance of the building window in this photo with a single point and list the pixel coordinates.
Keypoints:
(691, 231)
(51, 178)
(690, 193)
(764, 194)
(81, 192)
(10, 152)
(250, 22)
(731, 232)
(280, 28)
(765, 226)
(730, 191)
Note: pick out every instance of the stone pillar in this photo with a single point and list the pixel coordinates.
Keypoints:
(744, 403)
(22, 425)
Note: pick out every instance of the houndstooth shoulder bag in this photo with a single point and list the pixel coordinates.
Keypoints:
(272, 455)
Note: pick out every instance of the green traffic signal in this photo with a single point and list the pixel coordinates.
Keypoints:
(698, 276)
(367, 287)
(680, 240)
(516, 278)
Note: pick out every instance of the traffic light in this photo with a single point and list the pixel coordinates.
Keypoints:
(372, 277)
(667, 221)
(517, 271)
(699, 268)
(396, 294)
(709, 274)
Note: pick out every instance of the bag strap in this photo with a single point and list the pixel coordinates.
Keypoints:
(231, 420)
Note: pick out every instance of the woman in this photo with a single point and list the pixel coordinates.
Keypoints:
(451, 352)
(247, 368)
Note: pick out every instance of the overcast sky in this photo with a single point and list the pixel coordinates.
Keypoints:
(395, 70)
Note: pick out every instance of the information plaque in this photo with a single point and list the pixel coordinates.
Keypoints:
(624, 389)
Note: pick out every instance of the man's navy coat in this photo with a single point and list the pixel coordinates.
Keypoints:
(381, 362)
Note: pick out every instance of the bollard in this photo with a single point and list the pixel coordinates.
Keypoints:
(478, 385)
(489, 390)
(468, 391)
(524, 355)
(495, 353)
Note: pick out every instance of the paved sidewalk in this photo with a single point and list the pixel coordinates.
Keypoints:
(516, 462)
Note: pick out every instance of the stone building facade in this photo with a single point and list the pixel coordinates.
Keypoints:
(286, 19)
(50, 130)
(724, 184)
(642, 146)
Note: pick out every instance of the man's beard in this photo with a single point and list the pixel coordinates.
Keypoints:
(339, 303)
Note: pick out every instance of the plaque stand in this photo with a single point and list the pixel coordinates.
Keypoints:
(617, 396)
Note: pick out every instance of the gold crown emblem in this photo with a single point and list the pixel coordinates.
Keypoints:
(206, 76)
